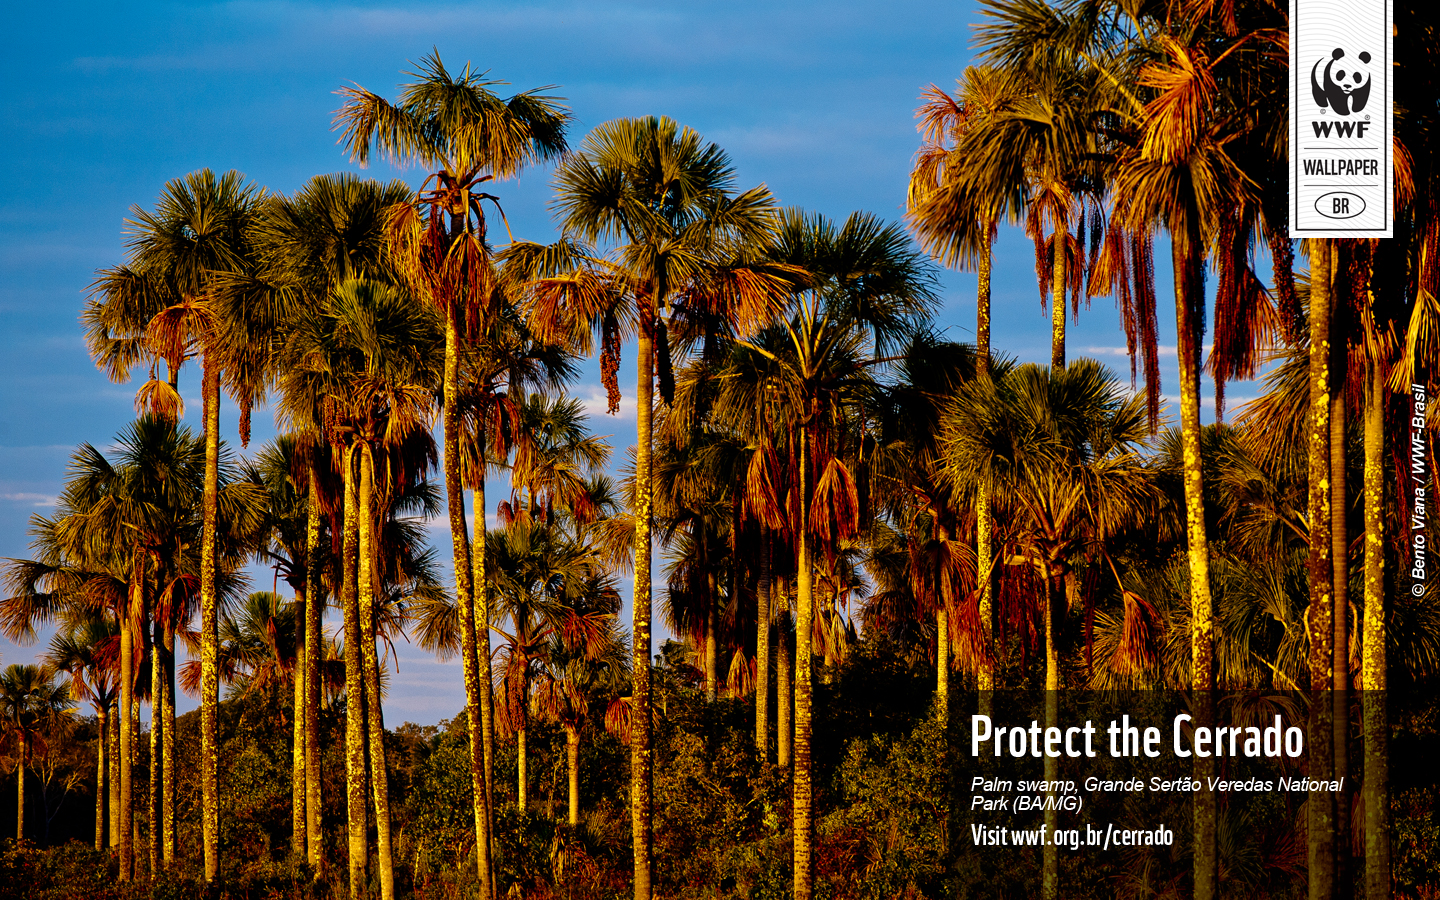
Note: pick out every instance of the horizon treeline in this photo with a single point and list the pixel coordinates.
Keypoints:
(865, 532)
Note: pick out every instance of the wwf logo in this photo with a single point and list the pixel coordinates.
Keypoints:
(1342, 87)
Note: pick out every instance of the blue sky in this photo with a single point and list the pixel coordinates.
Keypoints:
(105, 103)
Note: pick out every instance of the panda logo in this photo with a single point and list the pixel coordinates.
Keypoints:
(1343, 88)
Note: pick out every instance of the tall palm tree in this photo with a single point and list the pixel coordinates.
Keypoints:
(909, 477)
(699, 473)
(73, 582)
(131, 509)
(666, 201)
(367, 353)
(547, 586)
(32, 705)
(457, 127)
(570, 678)
(1062, 446)
(1029, 146)
(84, 651)
(955, 218)
(331, 230)
(283, 472)
(1407, 336)
(865, 290)
(1180, 127)
(168, 304)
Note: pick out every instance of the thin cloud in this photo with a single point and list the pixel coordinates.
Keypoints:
(1162, 350)
(40, 500)
(595, 401)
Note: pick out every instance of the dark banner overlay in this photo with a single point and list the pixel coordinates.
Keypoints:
(1122, 781)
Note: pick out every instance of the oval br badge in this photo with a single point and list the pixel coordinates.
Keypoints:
(1340, 205)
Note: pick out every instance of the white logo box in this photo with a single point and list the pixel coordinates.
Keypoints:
(1342, 173)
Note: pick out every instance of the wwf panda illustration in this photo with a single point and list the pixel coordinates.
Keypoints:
(1344, 87)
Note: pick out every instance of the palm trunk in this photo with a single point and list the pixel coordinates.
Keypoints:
(1189, 305)
(1340, 578)
(20, 794)
(367, 584)
(127, 729)
(641, 774)
(1321, 836)
(984, 536)
(712, 652)
(982, 313)
(1373, 668)
(522, 798)
(733, 586)
(572, 762)
(354, 690)
(115, 763)
(209, 625)
(805, 607)
(167, 746)
(100, 785)
(476, 693)
(134, 760)
(785, 693)
(942, 659)
(314, 612)
(1061, 238)
(481, 588)
(157, 730)
(762, 651)
(985, 676)
(298, 835)
(1050, 858)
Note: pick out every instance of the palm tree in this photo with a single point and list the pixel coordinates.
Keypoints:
(366, 352)
(283, 472)
(72, 584)
(665, 198)
(129, 509)
(865, 290)
(956, 221)
(698, 474)
(466, 134)
(571, 676)
(1178, 129)
(1028, 144)
(85, 652)
(169, 303)
(259, 650)
(907, 470)
(32, 705)
(547, 586)
(1062, 447)
(331, 230)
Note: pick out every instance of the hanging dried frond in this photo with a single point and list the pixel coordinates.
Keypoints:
(181, 329)
(835, 509)
(740, 680)
(1137, 653)
(1125, 268)
(158, 398)
(1044, 265)
(762, 494)
(1289, 318)
(1245, 319)
(617, 719)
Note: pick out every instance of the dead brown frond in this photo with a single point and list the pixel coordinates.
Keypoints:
(158, 398)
